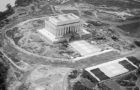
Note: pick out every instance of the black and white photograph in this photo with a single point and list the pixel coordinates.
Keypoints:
(69, 44)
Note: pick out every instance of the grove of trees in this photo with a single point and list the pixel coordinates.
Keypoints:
(3, 76)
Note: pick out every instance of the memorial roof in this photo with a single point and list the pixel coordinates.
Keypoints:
(64, 19)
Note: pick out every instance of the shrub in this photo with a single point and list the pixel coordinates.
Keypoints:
(137, 43)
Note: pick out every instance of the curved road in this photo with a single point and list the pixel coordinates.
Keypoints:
(79, 63)
(11, 61)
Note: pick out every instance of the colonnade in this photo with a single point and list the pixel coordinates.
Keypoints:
(60, 31)
(67, 29)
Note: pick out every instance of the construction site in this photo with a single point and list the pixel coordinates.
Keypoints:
(75, 46)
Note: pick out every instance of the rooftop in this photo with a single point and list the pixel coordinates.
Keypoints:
(64, 19)
(111, 69)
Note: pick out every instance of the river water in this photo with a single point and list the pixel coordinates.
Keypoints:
(3, 4)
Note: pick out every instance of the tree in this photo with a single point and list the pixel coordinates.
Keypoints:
(9, 7)
(3, 76)
(23, 2)
(5, 14)
(76, 0)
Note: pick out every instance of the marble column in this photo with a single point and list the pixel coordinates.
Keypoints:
(59, 32)
(56, 33)
(69, 29)
(74, 28)
(64, 30)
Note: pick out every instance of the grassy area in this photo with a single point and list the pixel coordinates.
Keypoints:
(122, 4)
(94, 60)
(131, 28)
(109, 17)
(12, 33)
(71, 11)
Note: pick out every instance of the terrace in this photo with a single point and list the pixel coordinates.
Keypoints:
(87, 50)
(84, 48)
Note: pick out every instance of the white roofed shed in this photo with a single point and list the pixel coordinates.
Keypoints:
(111, 69)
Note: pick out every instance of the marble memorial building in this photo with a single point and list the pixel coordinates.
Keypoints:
(58, 26)
(63, 24)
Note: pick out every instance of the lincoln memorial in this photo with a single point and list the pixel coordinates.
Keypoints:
(58, 26)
